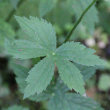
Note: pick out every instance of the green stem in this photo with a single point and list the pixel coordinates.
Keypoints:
(79, 20)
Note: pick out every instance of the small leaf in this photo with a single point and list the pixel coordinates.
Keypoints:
(39, 77)
(24, 49)
(39, 31)
(71, 75)
(78, 53)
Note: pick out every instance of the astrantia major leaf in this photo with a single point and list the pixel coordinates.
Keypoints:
(43, 43)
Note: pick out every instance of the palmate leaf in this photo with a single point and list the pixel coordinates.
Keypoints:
(78, 53)
(69, 101)
(63, 100)
(57, 96)
(42, 42)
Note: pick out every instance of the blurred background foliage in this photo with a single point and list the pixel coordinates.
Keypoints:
(93, 31)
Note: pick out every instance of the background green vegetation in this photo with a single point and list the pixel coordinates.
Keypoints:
(93, 31)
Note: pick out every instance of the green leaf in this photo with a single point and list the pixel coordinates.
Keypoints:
(59, 99)
(40, 97)
(24, 49)
(69, 101)
(20, 71)
(21, 75)
(28, 8)
(39, 77)
(71, 75)
(39, 31)
(17, 107)
(60, 14)
(46, 6)
(104, 82)
(42, 42)
(6, 31)
(72, 102)
(91, 17)
(86, 71)
(78, 53)
(50, 92)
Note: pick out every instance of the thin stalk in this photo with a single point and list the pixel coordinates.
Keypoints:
(79, 20)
